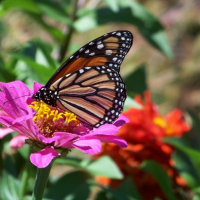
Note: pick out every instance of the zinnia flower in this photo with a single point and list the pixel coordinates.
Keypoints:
(50, 131)
(144, 134)
(3, 129)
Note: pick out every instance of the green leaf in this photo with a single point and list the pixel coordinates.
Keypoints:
(28, 5)
(28, 70)
(30, 198)
(194, 136)
(54, 10)
(73, 186)
(110, 194)
(10, 185)
(33, 63)
(112, 4)
(43, 54)
(129, 190)
(102, 195)
(136, 82)
(105, 166)
(193, 154)
(161, 176)
(24, 151)
(131, 103)
(56, 33)
(74, 162)
(132, 13)
(5, 75)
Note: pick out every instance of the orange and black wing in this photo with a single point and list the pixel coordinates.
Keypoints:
(95, 95)
(109, 49)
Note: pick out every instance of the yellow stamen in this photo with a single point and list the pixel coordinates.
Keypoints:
(50, 119)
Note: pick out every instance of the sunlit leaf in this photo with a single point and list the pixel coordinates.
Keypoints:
(29, 5)
(28, 70)
(74, 162)
(105, 166)
(131, 103)
(112, 4)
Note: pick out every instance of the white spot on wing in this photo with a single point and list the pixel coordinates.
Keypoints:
(100, 46)
(81, 71)
(92, 54)
(115, 59)
(108, 52)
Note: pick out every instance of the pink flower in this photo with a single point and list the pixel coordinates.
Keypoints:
(50, 131)
(3, 129)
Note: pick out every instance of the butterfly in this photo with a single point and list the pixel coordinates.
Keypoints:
(88, 84)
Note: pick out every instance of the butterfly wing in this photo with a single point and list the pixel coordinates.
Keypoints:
(109, 49)
(94, 94)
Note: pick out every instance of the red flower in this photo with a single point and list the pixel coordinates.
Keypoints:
(143, 134)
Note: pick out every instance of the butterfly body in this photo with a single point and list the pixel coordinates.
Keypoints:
(47, 95)
(88, 83)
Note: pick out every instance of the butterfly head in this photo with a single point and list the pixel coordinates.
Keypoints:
(46, 95)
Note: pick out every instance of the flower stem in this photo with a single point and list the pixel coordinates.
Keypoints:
(67, 40)
(40, 182)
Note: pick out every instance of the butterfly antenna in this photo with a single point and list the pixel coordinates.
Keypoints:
(18, 88)
(15, 99)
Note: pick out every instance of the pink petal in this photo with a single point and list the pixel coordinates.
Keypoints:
(106, 129)
(42, 158)
(5, 131)
(36, 87)
(27, 128)
(121, 121)
(60, 139)
(24, 118)
(64, 139)
(91, 146)
(18, 141)
(14, 94)
(111, 139)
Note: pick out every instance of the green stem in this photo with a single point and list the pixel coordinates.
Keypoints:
(41, 181)
(24, 179)
(66, 42)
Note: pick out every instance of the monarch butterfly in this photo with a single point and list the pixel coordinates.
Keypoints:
(88, 84)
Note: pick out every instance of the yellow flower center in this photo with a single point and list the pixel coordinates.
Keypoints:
(50, 119)
(163, 124)
(160, 122)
